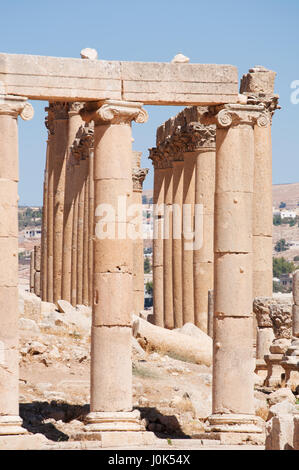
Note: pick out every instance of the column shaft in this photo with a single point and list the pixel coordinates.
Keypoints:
(158, 285)
(75, 122)
(10, 108)
(60, 156)
(167, 250)
(204, 254)
(178, 178)
(187, 239)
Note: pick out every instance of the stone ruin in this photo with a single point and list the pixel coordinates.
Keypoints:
(214, 157)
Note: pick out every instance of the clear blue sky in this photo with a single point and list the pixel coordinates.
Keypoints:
(259, 32)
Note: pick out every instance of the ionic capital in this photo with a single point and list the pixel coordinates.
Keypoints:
(233, 115)
(16, 106)
(114, 112)
(138, 177)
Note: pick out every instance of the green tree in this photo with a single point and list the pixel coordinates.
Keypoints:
(147, 265)
(281, 245)
(282, 266)
(296, 258)
(149, 287)
(276, 219)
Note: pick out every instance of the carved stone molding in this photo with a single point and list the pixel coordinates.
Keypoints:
(16, 106)
(159, 159)
(232, 115)
(75, 107)
(138, 177)
(114, 112)
(59, 109)
(83, 143)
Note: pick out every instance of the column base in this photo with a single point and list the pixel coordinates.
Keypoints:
(11, 425)
(103, 421)
(235, 423)
(236, 429)
(116, 429)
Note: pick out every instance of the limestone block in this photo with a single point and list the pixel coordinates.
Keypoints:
(281, 317)
(113, 255)
(233, 394)
(261, 309)
(113, 299)
(233, 280)
(37, 257)
(262, 253)
(295, 319)
(234, 174)
(233, 218)
(107, 192)
(258, 80)
(8, 201)
(111, 388)
(281, 395)
(174, 343)
(9, 259)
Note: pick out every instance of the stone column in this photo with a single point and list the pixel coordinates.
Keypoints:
(81, 191)
(32, 271)
(258, 86)
(75, 121)
(265, 334)
(111, 363)
(167, 248)
(158, 200)
(187, 239)
(290, 361)
(44, 238)
(138, 176)
(37, 266)
(75, 234)
(60, 114)
(10, 108)
(203, 259)
(49, 123)
(91, 225)
(85, 235)
(233, 365)
(177, 197)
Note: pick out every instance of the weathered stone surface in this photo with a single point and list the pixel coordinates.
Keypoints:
(50, 78)
(281, 395)
(174, 343)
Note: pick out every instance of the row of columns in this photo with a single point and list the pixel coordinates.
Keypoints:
(184, 185)
(111, 364)
(68, 210)
(68, 207)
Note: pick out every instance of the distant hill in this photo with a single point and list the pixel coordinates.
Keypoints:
(288, 193)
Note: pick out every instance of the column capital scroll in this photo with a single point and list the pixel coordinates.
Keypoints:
(114, 112)
(241, 114)
(16, 106)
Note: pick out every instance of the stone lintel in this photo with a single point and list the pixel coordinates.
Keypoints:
(68, 79)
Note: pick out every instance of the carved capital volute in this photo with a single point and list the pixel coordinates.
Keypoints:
(233, 115)
(16, 106)
(114, 112)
